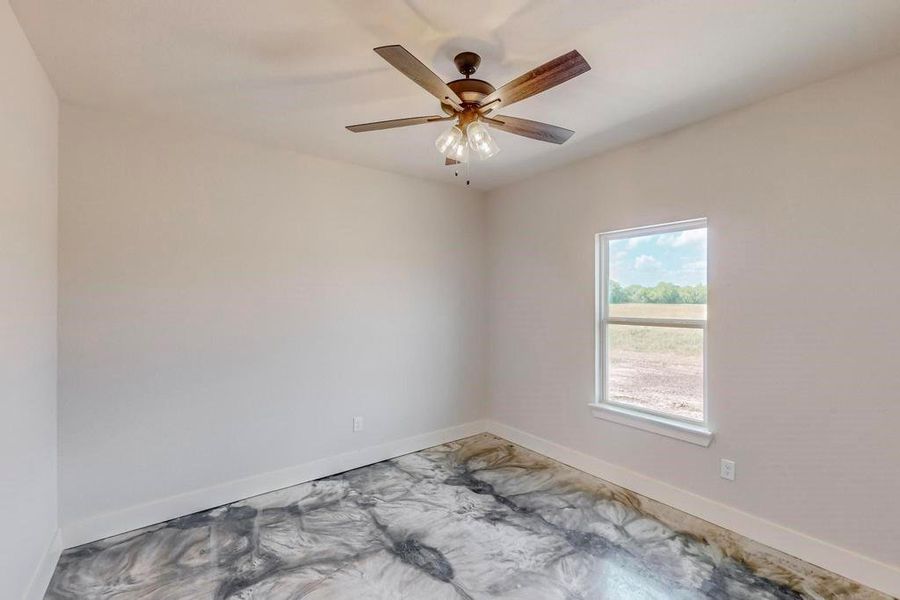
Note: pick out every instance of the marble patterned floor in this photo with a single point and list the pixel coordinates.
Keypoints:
(477, 518)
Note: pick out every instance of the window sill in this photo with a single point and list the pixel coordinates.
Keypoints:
(673, 428)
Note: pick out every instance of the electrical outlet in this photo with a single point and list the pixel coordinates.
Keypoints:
(357, 423)
(727, 469)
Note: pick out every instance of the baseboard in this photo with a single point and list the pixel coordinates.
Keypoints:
(135, 517)
(44, 571)
(849, 564)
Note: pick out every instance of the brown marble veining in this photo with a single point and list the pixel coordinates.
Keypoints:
(474, 519)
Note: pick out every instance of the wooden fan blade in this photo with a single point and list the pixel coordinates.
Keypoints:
(541, 79)
(401, 59)
(450, 161)
(530, 129)
(395, 123)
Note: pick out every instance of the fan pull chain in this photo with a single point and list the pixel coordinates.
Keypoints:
(468, 181)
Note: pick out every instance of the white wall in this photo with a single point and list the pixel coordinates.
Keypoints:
(802, 193)
(28, 158)
(226, 309)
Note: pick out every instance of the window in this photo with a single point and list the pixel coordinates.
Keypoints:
(651, 329)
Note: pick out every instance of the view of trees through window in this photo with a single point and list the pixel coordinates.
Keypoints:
(662, 293)
(651, 279)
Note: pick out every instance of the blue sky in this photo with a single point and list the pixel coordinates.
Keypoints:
(678, 258)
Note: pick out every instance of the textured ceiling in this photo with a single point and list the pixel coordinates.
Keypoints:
(293, 73)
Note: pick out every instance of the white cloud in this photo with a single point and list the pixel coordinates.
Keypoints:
(666, 239)
(697, 266)
(645, 262)
(683, 238)
(636, 241)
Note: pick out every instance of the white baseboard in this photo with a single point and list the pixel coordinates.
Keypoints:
(135, 517)
(44, 571)
(849, 564)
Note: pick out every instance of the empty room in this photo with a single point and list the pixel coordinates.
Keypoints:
(450, 300)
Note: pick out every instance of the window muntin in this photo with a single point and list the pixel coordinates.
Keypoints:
(652, 320)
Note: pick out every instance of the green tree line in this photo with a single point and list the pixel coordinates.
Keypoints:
(662, 293)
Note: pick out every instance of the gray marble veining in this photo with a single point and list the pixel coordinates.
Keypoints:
(477, 518)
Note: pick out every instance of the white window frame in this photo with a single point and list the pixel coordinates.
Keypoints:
(689, 430)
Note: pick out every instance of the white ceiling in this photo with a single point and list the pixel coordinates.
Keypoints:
(294, 72)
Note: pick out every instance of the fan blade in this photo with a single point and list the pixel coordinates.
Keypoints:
(450, 161)
(395, 123)
(413, 68)
(541, 79)
(530, 129)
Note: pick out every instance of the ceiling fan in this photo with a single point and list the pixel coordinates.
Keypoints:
(469, 101)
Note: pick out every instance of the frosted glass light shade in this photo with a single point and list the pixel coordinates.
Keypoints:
(449, 140)
(460, 151)
(480, 140)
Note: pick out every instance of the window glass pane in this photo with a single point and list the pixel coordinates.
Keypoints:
(656, 368)
(662, 275)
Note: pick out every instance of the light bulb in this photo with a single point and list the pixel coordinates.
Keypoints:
(459, 151)
(449, 140)
(480, 140)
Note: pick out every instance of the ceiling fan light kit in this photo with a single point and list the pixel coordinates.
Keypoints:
(448, 140)
(455, 144)
(469, 101)
(480, 140)
(459, 152)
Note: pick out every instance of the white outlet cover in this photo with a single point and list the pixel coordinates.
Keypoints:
(727, 469)
(357, 423)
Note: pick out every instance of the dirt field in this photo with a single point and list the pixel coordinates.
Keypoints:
(656, 368)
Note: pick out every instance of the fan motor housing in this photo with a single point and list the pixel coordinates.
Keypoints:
(470, 91)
